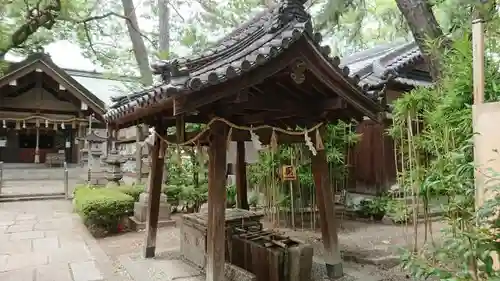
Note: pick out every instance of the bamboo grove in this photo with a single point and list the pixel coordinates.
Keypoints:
(432, 129)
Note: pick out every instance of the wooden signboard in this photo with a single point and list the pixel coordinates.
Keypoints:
(288, 173)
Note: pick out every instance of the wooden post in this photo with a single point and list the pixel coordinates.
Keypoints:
(325, 199)
(138, 154)
(241, 177)
(216, 202)
(478, 60)
(37, 145)
(156, 174)
(478, 80)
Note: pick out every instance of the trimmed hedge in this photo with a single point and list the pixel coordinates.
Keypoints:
(102, 209)
(132, 190)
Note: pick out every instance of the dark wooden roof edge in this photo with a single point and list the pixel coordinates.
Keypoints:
(31, 62)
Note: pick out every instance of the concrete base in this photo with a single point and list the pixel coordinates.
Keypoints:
(141, 211)
(98, 181)
(334, 271)
(137, 225)
(112, 184)
(141, 208)
(138, 221)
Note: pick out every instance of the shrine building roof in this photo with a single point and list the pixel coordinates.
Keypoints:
(273, 53)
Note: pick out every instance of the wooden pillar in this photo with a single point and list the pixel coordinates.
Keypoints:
(156, 174)
(216, 202)
(325, 198)
(37, 145)
(138, 154)
(241, 177)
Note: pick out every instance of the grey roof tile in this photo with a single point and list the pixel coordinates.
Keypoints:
(248, 46)
(374, 66)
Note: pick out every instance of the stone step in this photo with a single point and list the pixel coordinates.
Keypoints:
(31, 197)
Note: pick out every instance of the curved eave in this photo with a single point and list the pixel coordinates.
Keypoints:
(269, 54)
(234, 69)
(338, 80)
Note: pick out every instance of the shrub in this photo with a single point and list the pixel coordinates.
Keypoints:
(102, 209)
(173, 193)
(132, 190)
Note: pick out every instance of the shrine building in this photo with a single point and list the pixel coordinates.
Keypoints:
(46, 110)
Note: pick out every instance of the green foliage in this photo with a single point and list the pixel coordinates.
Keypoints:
(133, 190)
(173, 193)
(231, 196)
(433, 131)
(464, 254)
(102, 209)
(193, 197)
(398, 211)
(253, 199)
(376, 207)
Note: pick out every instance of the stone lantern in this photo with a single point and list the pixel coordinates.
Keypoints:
(92, 159)
(114, 173)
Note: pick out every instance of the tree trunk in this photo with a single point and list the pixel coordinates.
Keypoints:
(140, 51)
(46, 17)
(164, 46)
(164, 22)
(141, 56)
(424, 27)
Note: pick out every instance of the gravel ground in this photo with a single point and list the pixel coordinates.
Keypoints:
(360, 241)
(366, 240)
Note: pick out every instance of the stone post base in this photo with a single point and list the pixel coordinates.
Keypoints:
(112, 184)
(138, 221)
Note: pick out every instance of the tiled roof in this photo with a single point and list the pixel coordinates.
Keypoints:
(104, 87)
(376, 65)
(98, 88)
(251, 45)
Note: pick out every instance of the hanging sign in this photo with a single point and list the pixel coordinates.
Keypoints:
(288, 173)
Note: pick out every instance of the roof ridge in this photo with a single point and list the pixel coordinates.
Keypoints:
(270, 20)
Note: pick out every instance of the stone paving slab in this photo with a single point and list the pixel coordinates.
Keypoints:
(167, 266)
(45, 241)
(85, 271)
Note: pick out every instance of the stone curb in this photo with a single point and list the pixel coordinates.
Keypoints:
(102, 260)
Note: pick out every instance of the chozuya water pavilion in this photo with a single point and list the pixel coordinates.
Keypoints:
(270, 71)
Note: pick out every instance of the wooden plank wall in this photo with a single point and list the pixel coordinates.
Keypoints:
(374, 168)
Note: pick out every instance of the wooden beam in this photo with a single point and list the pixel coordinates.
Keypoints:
(264, 104)
(241, 177)
(157, 167)
(337, 82)
(325, 198)
(216, 233)
(242, 135)
(42, 111)
(235, 85)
